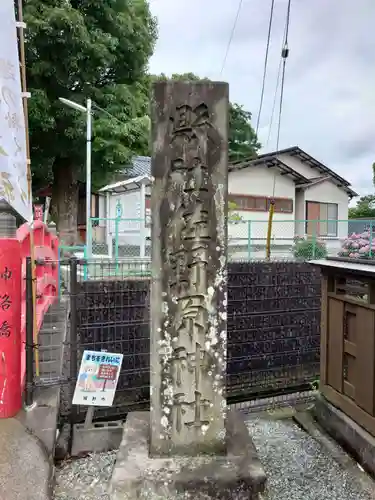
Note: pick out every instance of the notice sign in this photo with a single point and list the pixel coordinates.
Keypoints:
(97, 378)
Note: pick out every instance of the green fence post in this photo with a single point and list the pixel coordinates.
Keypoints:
(116, 244)
(370, 240)
(248, 239)
(315, 231)
(85, 266)
(89, 239)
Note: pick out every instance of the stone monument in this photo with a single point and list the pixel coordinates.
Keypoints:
(188, 446)
(188, 294)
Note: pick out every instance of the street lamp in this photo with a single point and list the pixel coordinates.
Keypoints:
(85, 109)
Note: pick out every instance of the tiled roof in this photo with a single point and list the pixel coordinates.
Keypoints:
(299, 153)
(268, 158)
(141, 165)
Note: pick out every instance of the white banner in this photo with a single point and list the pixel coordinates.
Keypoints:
(13, 166)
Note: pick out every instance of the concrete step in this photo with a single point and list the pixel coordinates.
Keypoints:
(47, 337)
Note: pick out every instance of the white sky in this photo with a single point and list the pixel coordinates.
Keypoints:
(329, 102)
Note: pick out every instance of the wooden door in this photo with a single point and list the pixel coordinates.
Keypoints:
(312, 215)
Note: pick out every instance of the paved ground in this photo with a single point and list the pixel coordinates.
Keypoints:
(299, 468)
(24, 470)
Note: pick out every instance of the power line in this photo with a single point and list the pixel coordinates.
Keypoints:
(231, 36)
(287, 22)
(284, 55)
(276, 87)
(274, 101)
(281, 103)
(265, 64)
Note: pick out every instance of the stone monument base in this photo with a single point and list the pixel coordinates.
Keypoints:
(237, 476)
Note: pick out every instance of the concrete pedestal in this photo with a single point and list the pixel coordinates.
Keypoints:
(237, 476)
(97, 438)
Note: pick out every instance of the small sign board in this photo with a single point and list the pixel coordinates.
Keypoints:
(118, 209)
(97, 378)
(38, 212)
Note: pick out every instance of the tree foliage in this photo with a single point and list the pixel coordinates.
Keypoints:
(365, 208)
(80, 49)
(243, 141)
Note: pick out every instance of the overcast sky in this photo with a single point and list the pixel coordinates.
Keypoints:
(329, 102)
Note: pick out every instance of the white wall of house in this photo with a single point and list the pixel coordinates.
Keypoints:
(259, 181)
(102, 213)
(300, 167)
(129, 224)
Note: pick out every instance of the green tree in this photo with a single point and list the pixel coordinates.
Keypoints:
(80, 49)
(365, 208)
(243, 141)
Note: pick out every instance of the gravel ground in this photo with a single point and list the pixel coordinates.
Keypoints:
(85, 478)
(298, 467)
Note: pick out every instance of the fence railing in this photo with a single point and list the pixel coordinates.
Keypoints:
(19, 316)
(129, 239)
(119, 238)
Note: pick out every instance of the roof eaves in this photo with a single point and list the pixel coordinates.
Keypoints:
(270, 161)
(297, 151)
(314, 182)
(310, 160)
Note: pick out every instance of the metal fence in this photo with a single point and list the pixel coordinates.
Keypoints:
(129, 239)
(273, 328)
(44, 351)
(273, 331)
(119, 238)
(112, 314)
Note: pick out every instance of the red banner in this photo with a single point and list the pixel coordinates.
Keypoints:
(10, 327)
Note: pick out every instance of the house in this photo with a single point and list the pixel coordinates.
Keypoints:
(309, 200)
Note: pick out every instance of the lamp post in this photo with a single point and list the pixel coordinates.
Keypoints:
(85, 109)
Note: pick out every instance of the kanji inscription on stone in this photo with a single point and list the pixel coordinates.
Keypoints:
(188, 296)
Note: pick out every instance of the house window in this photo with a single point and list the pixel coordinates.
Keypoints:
(321, 219)
(282, 205)
(261, 203)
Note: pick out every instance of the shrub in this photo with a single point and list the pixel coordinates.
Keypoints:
(358, 246)
(309, 249)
